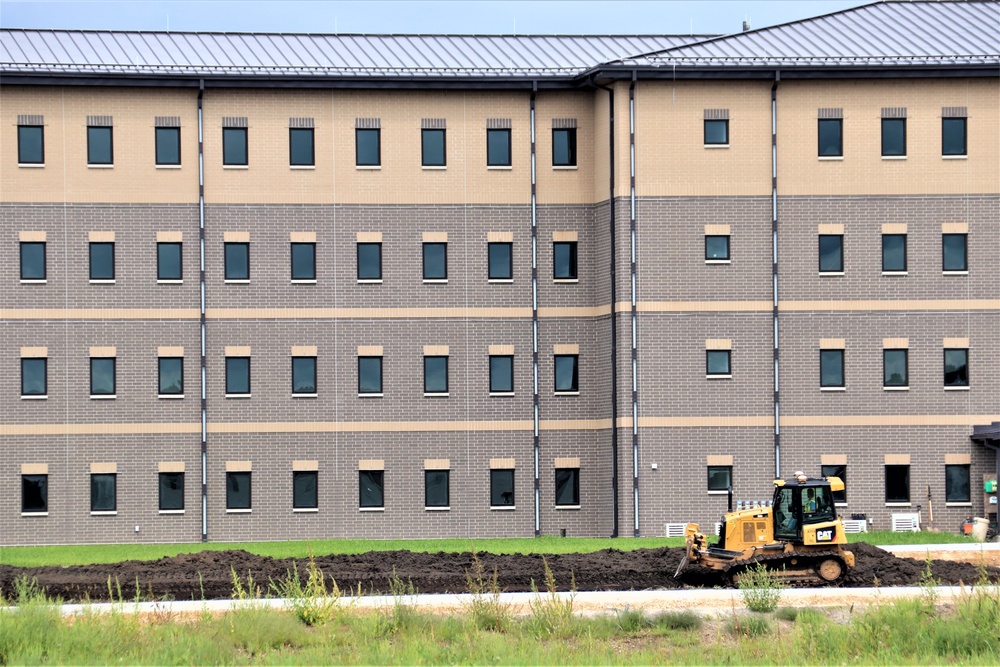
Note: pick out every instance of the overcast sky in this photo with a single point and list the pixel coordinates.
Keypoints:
(373, 16)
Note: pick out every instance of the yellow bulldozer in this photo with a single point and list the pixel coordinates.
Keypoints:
(799, 537)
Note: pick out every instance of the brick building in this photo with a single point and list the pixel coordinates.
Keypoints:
(300, 286)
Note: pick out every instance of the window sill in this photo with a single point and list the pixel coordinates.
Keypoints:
(437, 509)
(34, 397)
(439, 394)
(168, 166)
(100, 166)
(943, 273)
(371, 509)
(564, 167)
(718, 493)
(833, 388)
(170, 396)
(718, 261)
(718, 377)
(103, 513)
(236, 166)
(171, 512)
(34, 513)
(716, 145)
(302, 167)
(831, 158)
(834, 274)
(840, 504)
(241, 281)
(893, 157)
(965, 388)
(239, 395)
(943, 157)
(29, 165)
(435, 281)
(102, 282)
(34, 282)
(305, 510)
(500, 280)
(103, 397)
(169, 282)
(501, 393)
(899, 504)
(438, 167)
(369, 281)
(965, 504)
(895, 273)
(303, 281)
(502, 508)
(305, 395)
(499, 167)
(567, 507)
(370, 395)
(895, 389)
(566, 281)
(240, 511)
(368, 167)
(565, 393)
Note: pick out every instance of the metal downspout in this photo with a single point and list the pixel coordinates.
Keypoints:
(534, 316)
(635, 329)
(201, 276)
(774, 268)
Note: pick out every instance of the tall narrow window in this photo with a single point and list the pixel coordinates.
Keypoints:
(498, 147)
(370, 375)
(953, 136)
(301, 150)
(436, 488)
(500, 261)
(831, 368)
(564, 147)
(897, 484)
(831, 137)
(33, 260)
(168, 146)
(34, 494)
(501, 374)
(171, 491)
(893, 137)
(718, 363)
(895, 368)
(305, 489)
(103, 492)
(237, 376)
(954, 252)
(171, 376)
(836, 471)
(957, 484)
(831, 253)
(435, 261)
(34, 377)
(369, 261)
(304, 261)
(99, 146)
(432, 148)
(716, 132)
(237, 261)
(893, 253)
(234, 147)
(567, 373)
(720, 478)
(102, 261)
(368, 149)
(567, 487)
(371, 488)
(102, 376)
(168, 261)
(238, 490)
(564, 260)
(30, 144)
(956, 368)
(304, 376)
(502, 488)
(435, 375)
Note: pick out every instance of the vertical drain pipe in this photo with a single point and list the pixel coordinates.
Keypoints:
(635, 331)
(201, 275)
(774, 267)
(534, 314)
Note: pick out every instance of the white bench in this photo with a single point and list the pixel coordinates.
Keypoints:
(855, 526)
(902, 523)
(675, 529)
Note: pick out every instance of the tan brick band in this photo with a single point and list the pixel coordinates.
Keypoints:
(164, 351)
(884, 420)
(32, 237)
(369, 350)
(502, 464)
(170, 466)
(366, 426)
(832, 343)
(958, 459)
(239, 466)
(302, 237)
(895, 343)
(101, 237)
(435, 237)
(719, 460)
(104, 351)
(34, 352)
(955, 342)
(830, 229)
(500, 237)
(718, 344)
(169, 237)
(304, 351)
(237, 350)
(694, 422)
(435, 350)
(579, 311)
(99, 314)
(103, 468)
(305, 466)
(34, 468)
(567, 462)
(574, 424)
(437, 464)
(369, 237)
(914, 305)
(100, 429)
(566, 348)
(717, 230)
(894, 228)
(236, 237)
(698, 306)
(954, 228)
(371, 464)
(499, 349)
(897, 459)
(833, 459)
(363, 313)
(564, 236)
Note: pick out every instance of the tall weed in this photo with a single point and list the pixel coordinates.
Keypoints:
(486, 610)
(312, 601)
(551, 613)
(760, 589)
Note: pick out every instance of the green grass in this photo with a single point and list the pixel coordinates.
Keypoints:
(886, 537)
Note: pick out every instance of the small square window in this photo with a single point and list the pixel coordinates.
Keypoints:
(432, 148)
(234, 146)
(99, 146)
(567, 487)
(368, 149)
(435, 261)
(957, 486)
(103, 492)
(171, 376)
(720, 478)
(831, 253)
(238, 490)
(34, 377)
(717, 247)
(839, 471)
(30, 144)
(567, 373)
(301, 151)
(716, 132)
(436, 492)
(895, 372)
(831, 137)
(502, 488)
(237, 261)
(102, 261)
(305, 489)
(893, 137)
(369, 375)
(954, 252)
(956, 368)
(717, 363)
(501, 261)
(33, 266)
(237, 375)
(498, 148)
(501, 374)
(168, 145)
(564, 260)
(168, 261)
(303, 261)
(893, 253)
(435, 375)
(371, 488)
(102, 376)
(897, 484)
(564, 147)
(171, 491)
(831, 368)
(34, 494)
(953, 136)
(304, 375)
(369, 261)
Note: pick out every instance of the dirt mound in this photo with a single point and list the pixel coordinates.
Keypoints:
(208, 574)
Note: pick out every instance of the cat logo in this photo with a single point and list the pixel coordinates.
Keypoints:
(824, 535)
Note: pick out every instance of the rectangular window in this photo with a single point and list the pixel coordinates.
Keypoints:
(369, 261)
(432, 148)
(102, 376)
(498, 148)
(831, 137)
(953, 136)
(368, 150)
(717, 248)
(369, 375)
(436, 488)
(34, 377)
(237, 375)
(954, 252)
(103, 492)
(893, 253)
(304, 375)
(501, 374)
(720, 478)
(303, 261)
(568, 487)
(897, 484)
(564, 147)
(30, 144)
(371, 488)
(305, 490)
(171, 491)
(831, 368)
(831, 253)
(237, 261)
(171, 372)
(435, 261)
(718, 363)
(168, 145)
(836, 471)
(234, 146)
(238, 490)
(33, 260)
(957, 484)
(435, 375)
(301, 151)
(102, 261)
(168, 261)
(99, 146)
(893, 137)
(34, 494)
(502, 488)
(956, 368)
(716, 132)
(567, 372)
(501, 266)
(564, 260)
(895, 368)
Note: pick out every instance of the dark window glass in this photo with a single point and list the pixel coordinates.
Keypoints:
(369, 375)
(34, 377)
(564, 147)
(836, 471)
(893, 136)
(501, 488)
(305, 491)
(102, 261)
(567, 372)
(33, 260)
(435, 261)
(720, 478)
(954, 254)
(953, 136)
(171, 490)
(301, 152)
(716, 247)
(168, 261)
(567, 486)
(368, 149)
(237, 261)
(831, 137)
(435, 375)
(894, 366)
(237, 490)
(234, 146)
(498, 148)
(717, 362)
(34, 493)
(436, 488)
(237, 375)
(103, 492)
(501, 374)
(831, 368)
(303, 261)
(30, 144)
(956, 484)
(716, 131)
(303, 375)
(897, 484)
(501, 266)
(831, 253)
(894, 252)
(956, 368)
(369, 261)
(371, 486)
(432, 148)
(102, 376)
(564, 260)
(171, 375)
(168, 145)
(99, 148)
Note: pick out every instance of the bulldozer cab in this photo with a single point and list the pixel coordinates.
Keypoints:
(798, 504)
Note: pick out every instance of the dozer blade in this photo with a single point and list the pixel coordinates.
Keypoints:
(680, 568)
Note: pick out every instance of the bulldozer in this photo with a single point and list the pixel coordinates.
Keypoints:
(799, 537)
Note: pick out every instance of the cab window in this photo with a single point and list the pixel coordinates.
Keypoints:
(817, 504)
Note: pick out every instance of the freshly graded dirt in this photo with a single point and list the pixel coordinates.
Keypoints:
(207, 574)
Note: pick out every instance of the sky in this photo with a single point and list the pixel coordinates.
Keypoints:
(419, 16)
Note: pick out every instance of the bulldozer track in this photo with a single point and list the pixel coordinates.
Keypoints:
(803, 576)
